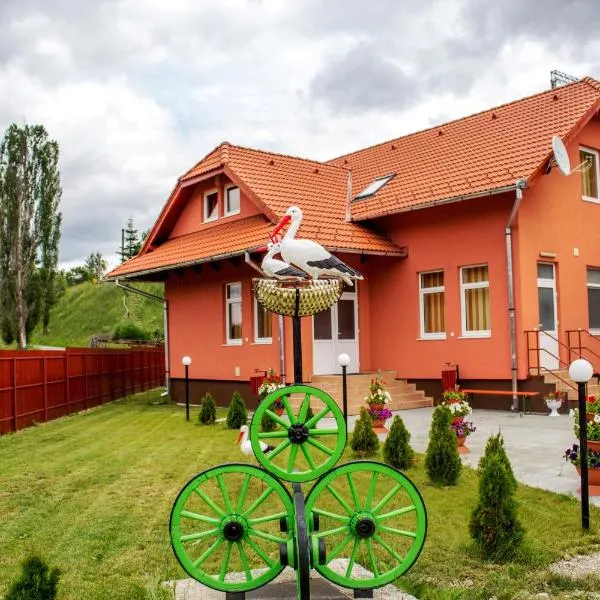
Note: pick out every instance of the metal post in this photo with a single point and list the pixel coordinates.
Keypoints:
(585, 499)
(345, 395)
(187, 394)
(297, 341)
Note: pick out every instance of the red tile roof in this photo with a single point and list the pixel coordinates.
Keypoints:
(483, 152)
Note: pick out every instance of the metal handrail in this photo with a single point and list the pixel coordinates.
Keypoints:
(580, 347)
(535, 348)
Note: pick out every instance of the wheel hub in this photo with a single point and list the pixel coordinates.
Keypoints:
(363, 525)
(233, 530)
(298, 433)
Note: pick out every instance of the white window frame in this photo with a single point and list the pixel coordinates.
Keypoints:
(205, 207)
(480, 333)
(260, 340)
(594, 286)
(422, 293)
(227, 212)
(596, 156)
(228, 301)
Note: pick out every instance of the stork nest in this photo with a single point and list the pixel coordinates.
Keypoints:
(315, 295)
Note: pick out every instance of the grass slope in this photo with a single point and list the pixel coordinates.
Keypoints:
(88, 309)
(92, 493)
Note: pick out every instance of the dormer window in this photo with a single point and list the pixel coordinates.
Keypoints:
(211, 206)
(232, 201)
(374, 187)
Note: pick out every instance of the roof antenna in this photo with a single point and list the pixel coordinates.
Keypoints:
(561, 159)
(558, 79)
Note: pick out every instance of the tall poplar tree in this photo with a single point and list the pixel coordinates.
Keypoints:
(30, 194)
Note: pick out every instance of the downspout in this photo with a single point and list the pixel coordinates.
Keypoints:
(166, 327)
(520, 185)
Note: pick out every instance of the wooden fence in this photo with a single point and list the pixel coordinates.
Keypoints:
(37, 386)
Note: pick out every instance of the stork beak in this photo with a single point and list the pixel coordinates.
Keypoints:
(240, 437)
(286, 219)
(261, 249)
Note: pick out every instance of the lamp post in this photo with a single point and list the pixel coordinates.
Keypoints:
(344, 361)
(187, 361)
(581, 372)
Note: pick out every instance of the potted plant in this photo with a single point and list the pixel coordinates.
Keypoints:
(376, 400)
(463, 430)
(553, 401)
(458, 404)
(271, 383)
(592, 407)
(592, 430)
(573, 455)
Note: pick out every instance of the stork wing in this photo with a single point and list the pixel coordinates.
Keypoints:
(335, 263)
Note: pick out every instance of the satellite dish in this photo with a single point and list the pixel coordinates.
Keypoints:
(561, 156)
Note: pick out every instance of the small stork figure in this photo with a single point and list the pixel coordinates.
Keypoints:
(277, 268)
(308, 255)
(246, 445)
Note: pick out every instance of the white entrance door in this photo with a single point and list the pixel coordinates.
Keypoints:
(336, 331)
(548, 336)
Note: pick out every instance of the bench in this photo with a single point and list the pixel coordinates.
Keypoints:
(522, 395)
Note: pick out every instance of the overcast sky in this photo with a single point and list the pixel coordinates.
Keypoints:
(137, 91)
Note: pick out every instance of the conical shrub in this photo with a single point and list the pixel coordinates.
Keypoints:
(208, 410)
(36, 581)
(494, 525)
(396, 449)
(442, 461)
(364, 440)
(237, 414)
(495, 445)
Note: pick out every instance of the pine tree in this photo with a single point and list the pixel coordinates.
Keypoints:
(236, 415)
(494, 524)
(29, 226)
(130, 241)
(267, 424)
(364, 440)
(396, 449)
(36, 582)
(442, 461)
(495, 445)
(208, 410)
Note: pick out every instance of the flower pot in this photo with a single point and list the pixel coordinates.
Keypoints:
(378, 423)
(376, 406)
(554, 405)
(456, 420)
(593, 446)
(461, 440)
(593, 476)
(590, 416)
(279, 411)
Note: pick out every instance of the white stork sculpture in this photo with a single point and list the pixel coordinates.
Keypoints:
(246, 445)
(308, 255)
(277, 268)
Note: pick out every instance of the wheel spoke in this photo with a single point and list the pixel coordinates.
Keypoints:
(312, 422)
(266, 536)
(258, 501)
(326, 513)
(260, 552)
(387, 498)
(403, 532)
(316, 431)
(266, 519)
(308, 456)
(344, 504)
(243, 493)
(353, 490)
(339, 548)
(209, 502)
(397, 512)
(371, 491)
(292, 458)
(224, 493)
(277, 418)
(272, 434)
(331, 531)
(225, 562)
(244, 561)
(304, 408)
(199, 561)
(279, 449)
(352, 557)
(321, 447)
(372, 557)
(197, 517)
(285, 400)
(190, 537)
(384, 545)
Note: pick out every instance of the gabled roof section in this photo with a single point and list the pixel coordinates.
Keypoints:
(484, 152)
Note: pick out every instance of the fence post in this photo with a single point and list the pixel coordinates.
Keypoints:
(45, 382)
(14, 398)
(85, 380)
(67, 380)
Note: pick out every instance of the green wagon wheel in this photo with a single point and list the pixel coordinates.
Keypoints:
(373, 522)
(227, 520)
(301, 448)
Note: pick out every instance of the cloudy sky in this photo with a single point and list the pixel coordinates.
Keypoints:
(136, 91)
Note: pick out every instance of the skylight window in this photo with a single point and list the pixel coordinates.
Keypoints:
(374, 187)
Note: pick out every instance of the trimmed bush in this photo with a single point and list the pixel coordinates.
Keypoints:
(130, 331)
(396, 449)
(495, 445)
(494, 525)
(236, 415)
(442, 461)
(208, 410)
(309, 413)
(364, 440)
(36, 581)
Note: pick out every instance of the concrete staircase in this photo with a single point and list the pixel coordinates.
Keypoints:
(560, 378)
(404, 395)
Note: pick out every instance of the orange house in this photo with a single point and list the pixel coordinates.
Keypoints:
(476, 251)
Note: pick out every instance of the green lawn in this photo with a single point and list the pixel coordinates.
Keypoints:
(92, 494)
